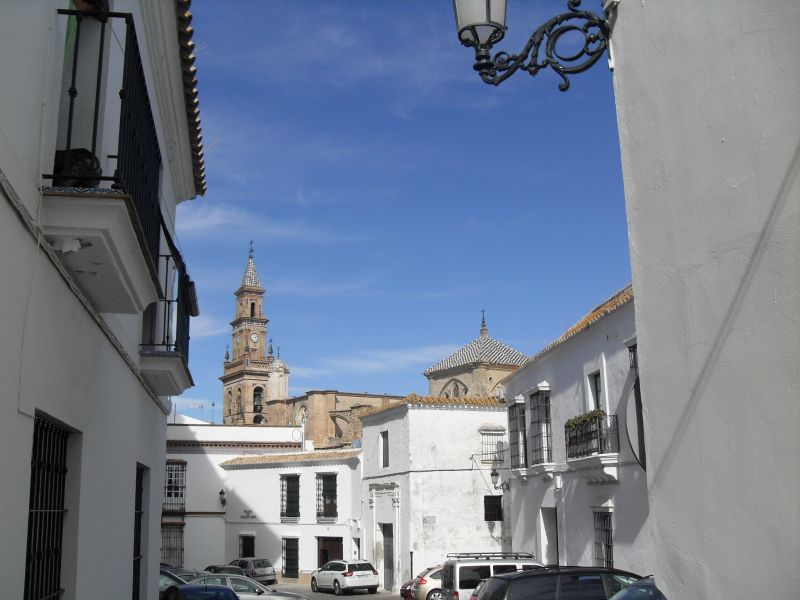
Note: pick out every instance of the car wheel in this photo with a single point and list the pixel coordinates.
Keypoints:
(373, 590)
(314, 587)
(337, 589)
(434, 595)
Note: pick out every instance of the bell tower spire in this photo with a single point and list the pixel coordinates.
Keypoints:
(245, 375)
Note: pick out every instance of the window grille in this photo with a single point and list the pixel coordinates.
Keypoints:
(289, 557)
(138, 512)
(172, 544)
(46, 511)
(603, 540)
(174, 488)
(385, 449)
(492, 446)
(326, 495)
(492, 508)
(541, 432)
(517, 443)
(290, 496)
(247, 546)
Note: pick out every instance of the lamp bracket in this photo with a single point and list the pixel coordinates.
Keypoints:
(542, 51)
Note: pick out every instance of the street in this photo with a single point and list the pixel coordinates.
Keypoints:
(304, 589)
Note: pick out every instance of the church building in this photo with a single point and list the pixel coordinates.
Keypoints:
(475, 369)
(255, 383)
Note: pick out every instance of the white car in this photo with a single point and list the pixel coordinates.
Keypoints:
(246, 588)
(344, 576)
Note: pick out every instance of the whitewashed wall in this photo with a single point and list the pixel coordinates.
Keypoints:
(211, 533)
(566, 368)
(436, 474)
(707, 103)
(55, 360)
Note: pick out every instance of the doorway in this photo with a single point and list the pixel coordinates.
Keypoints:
(328, 549)
(387, 529)
(549, 536)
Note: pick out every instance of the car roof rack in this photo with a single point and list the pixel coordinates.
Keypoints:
(490, 555)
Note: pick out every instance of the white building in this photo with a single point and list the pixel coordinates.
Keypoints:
(95, 296)
(297, 507)
(707, 103)
(579, 494)
(428, 487)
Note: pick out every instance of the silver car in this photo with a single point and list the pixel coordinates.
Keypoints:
(246, 588)
(260, 569)
(428, 584)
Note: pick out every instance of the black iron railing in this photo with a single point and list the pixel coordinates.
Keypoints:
(596, 436)
(166, 321)
(137, 154)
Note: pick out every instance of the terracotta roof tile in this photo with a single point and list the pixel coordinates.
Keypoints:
(244, 462)
(440, 401)
(616, 301)
(482, 349)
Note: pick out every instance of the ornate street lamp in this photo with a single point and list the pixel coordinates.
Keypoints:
(482, 23)
(505, 485)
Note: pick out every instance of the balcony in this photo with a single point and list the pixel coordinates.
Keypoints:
(164, 353)
(593, 447)
(101, 212)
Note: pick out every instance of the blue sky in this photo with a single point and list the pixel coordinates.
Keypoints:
(390, 194)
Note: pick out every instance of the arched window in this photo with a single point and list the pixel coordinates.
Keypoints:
(258, 419)
(258, 396)
(252, 309)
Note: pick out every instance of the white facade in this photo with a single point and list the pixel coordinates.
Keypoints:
(71, 356)
(429, 499)
(555, 498)
(247, 462)
(707, 102)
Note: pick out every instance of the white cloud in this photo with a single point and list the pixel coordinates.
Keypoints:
(205, 326)
(202, 220)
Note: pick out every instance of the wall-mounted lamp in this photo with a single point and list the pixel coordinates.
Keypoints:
(505, 485)
(222, 497)
(482, 23)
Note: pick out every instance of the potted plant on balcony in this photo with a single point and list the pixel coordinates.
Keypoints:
(579, 420)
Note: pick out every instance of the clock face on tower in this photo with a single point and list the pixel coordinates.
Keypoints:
(254, 338)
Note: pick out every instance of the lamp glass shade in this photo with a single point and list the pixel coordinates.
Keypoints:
(495, 477)
(479, 21)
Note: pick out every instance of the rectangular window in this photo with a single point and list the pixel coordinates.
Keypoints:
(138, 513)
(289, 557)
(492, 446)
(326, 495)
(492, 508)
(596, 384)
(174, 487)
(247, 546)
(541, 433)
(603, 540)
(46, 510)
(290, 496)
(384, 449)
(172, 544)
(518, 442)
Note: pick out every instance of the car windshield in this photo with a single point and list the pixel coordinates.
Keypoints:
(639, 591)
(360, 567)
(261, 563)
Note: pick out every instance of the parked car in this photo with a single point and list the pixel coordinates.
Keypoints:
(406, 592)
(428, 584)
(564, 583)
(644, 589)
(344, 576)
(232, 569)
(462, 571)
(246, 588)
(260, 569)
(166, 579)
(199, 592)
(477, 591)
(185, 574)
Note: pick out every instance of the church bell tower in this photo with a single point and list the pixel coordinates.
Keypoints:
(246, 369)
